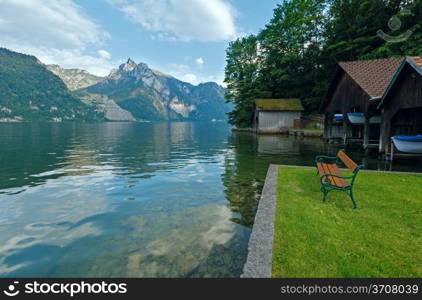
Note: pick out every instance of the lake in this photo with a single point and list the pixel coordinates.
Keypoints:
(137, 199)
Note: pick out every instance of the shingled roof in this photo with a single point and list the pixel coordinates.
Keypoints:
(279, 104)
(373, 76)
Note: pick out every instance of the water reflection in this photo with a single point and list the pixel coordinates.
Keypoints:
(137, 200)
(134, 200)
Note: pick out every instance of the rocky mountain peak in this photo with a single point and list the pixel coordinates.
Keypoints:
(132, 71)
(143, 67)
(151, 95)
(130, 65)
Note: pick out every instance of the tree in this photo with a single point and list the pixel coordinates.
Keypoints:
(242, 72)
(296, 54)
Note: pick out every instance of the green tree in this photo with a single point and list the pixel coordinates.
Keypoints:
(352, 32)
(282, 61)
(297, 52)
(241, 76)
(408, 22)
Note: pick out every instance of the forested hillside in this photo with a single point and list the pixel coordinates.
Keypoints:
(296, 54)
(30, 92)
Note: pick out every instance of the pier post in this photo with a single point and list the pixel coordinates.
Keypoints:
(366, 132)
(326, 131)
(345, 129)
(384, 135)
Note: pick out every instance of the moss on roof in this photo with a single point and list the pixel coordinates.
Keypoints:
(279, 104)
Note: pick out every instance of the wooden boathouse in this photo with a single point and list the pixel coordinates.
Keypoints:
(276, 115)
(401, 105)
(352, 111)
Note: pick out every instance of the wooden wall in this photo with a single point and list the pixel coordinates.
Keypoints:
(347, 95)
(407, 122)
(275, 121)
(406, 93)
(402, 107)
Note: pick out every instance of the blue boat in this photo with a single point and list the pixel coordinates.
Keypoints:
(356, 118)
(408, 144)
(339, 117)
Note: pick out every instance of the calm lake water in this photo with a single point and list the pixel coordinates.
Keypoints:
(137, 200)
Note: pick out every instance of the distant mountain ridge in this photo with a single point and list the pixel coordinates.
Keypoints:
(153, 96)
(75, 79)
(30, 90)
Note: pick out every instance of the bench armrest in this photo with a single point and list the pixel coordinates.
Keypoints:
(360, 167)
(325, 176)
(323, 158)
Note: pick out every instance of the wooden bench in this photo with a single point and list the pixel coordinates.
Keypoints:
(331, 176)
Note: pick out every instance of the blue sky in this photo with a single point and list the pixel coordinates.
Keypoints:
(185, 38)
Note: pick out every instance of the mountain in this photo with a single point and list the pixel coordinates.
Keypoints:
(75, 79)
(154, 96)
(106, 106)
(28, 91)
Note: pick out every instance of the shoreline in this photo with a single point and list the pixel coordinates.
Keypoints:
(291, 132)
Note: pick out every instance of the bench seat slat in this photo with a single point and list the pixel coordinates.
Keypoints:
(340, 182)
(324, 169)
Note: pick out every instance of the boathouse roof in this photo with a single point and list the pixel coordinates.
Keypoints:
(416, 62)
(373, 76)
(279, 104)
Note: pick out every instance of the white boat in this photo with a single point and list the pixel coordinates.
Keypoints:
(408, 144)
(356, 118)
(359, 119)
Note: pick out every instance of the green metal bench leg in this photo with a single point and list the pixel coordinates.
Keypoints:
(325, 193)
(353, 199)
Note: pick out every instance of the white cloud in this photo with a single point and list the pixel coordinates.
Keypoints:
(75, 59)
(218, 79)
(104, 54)
(179, 67)
(196, 79)
(184, 73)
(194, 76)
(56, 31)
(200, 62)
(191, 78)
(200, 20)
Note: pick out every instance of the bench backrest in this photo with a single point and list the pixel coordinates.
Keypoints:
(348, 162)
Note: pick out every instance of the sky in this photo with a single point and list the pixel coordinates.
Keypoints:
(184, 38)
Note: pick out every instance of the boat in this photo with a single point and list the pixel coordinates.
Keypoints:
(359, 119)
(338, 117)
(356, 118)
(408, 144)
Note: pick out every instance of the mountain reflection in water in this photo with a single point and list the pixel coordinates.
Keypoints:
(134, 199)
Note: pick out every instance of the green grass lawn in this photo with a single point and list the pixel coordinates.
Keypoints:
(315, 239)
